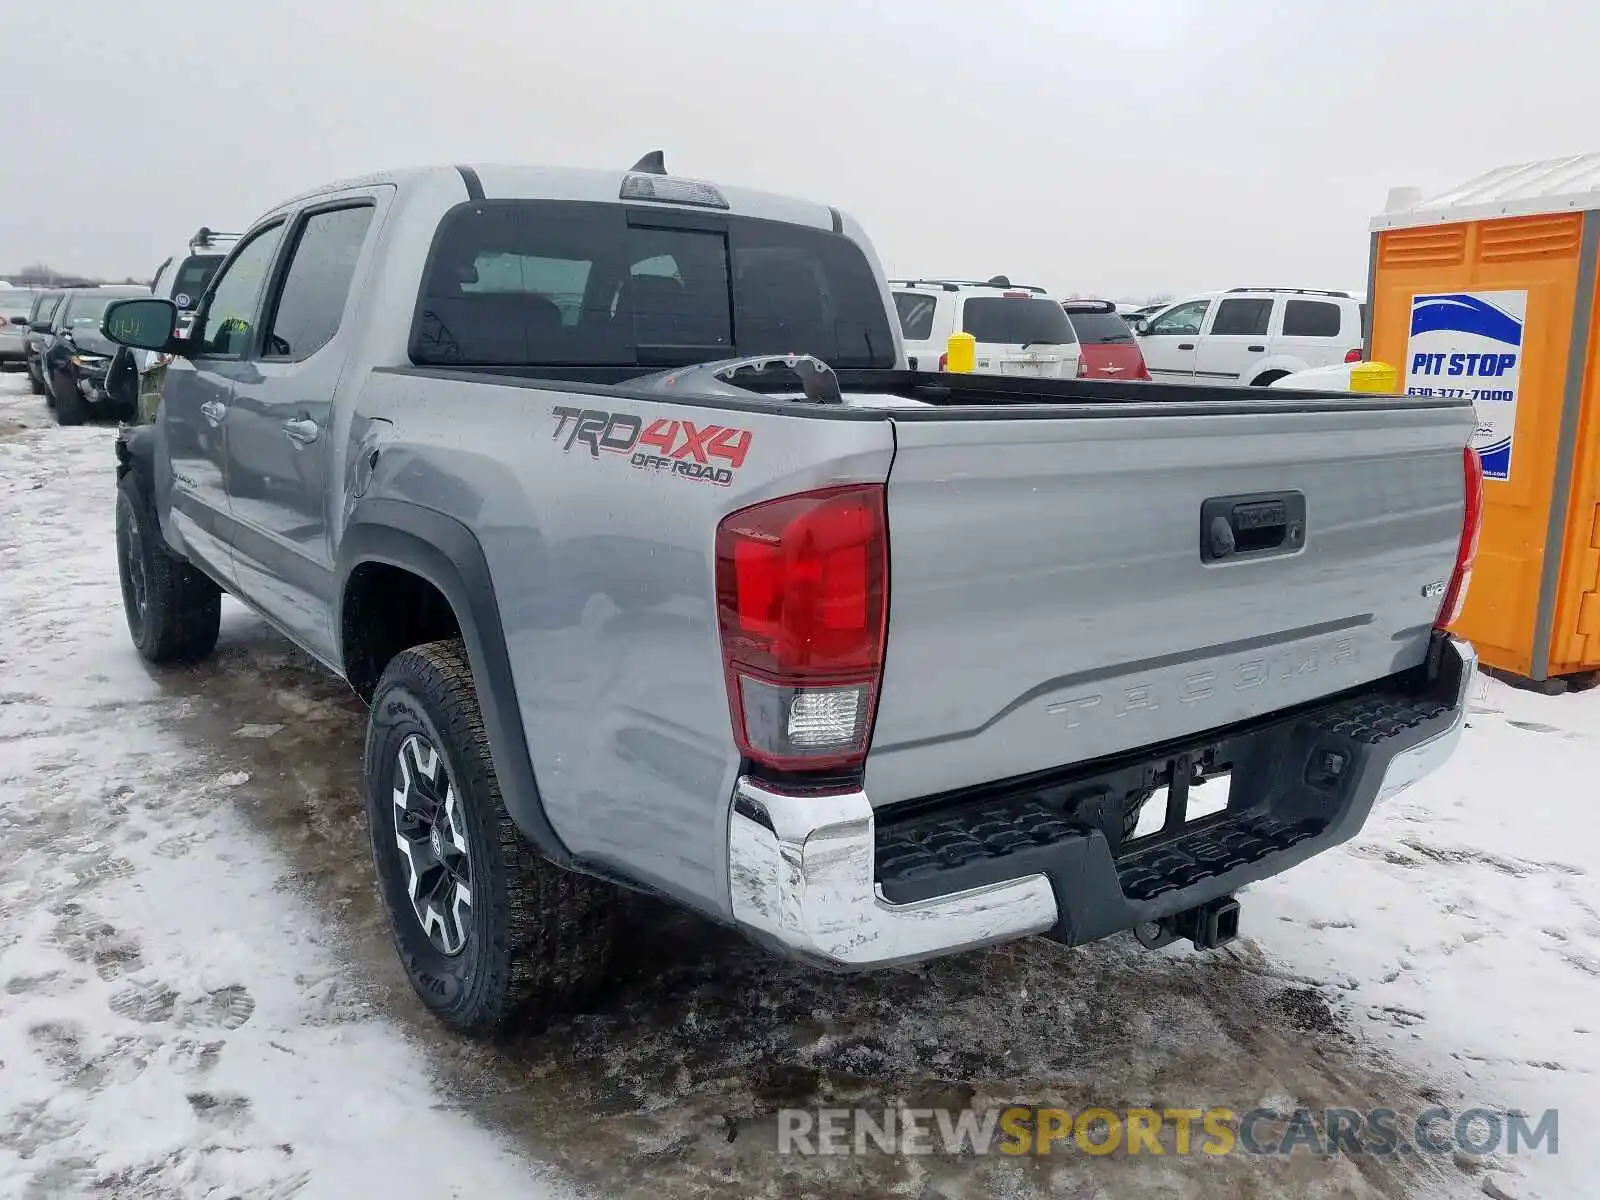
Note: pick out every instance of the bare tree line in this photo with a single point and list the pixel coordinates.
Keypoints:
(44, 275)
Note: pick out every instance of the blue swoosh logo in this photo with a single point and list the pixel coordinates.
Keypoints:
(1496, 460)
(1458, 313)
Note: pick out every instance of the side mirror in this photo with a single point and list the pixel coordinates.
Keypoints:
(1139, 325)
(143, 324)
(40, 327)
(19, 320)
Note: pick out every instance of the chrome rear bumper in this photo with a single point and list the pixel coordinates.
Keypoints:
(801, 873)
(803, 868)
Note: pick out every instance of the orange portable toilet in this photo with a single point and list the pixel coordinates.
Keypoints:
(1488, 292)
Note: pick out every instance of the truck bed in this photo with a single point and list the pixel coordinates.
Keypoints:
(1049, 599)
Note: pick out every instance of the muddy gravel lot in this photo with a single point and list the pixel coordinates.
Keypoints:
(676, 1076)
(668, 1087)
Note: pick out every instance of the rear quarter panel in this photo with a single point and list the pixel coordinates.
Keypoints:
(604, 576)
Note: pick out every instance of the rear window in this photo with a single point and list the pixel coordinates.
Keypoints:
(192, 278)
(916, 315)
(1014, 321)
(1311, 318)
(550, 283)
(1100, 329)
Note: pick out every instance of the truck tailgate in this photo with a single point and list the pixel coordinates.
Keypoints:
(1051, 600)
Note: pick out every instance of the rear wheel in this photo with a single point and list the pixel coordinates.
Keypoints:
(174, 611)
(36, 385)
(493, 938)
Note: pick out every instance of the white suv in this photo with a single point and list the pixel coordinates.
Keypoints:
(1251, 335)
(1019, 330)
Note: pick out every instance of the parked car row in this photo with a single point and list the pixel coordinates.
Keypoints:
(55, 334)
(65, 352)
(1255, 335)
(1018, 328)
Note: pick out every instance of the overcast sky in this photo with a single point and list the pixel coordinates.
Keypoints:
(1122, 147)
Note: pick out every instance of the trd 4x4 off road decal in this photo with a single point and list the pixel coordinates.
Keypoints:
(679, 447)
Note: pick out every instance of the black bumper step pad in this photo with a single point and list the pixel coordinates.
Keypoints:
(1009, 836)
(1209, 852)
(995, 830)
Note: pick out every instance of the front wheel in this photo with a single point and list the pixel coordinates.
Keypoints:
(36, 386)
(174, 611)
(70, 406)
(493, 938)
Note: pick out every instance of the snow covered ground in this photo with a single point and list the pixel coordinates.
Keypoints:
(172, 1021)
(197, 997)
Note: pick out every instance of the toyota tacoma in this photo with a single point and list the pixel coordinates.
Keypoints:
(611, 495)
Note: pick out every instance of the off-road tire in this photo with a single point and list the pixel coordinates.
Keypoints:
(539, 937)
(181, 612)
(70, 406)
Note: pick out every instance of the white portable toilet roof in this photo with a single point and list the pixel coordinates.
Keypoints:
(1556, 185)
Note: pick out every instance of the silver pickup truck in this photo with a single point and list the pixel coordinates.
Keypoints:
(610, 494)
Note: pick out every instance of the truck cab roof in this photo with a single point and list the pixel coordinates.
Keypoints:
(499, 181)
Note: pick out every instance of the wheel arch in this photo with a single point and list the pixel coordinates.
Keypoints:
(1274, 366)
(142, 451)
(136, 455)
(446, 555)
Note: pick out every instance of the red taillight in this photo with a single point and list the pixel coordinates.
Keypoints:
(1353, 356)
(802, 597)
(1455, 596)
(944, 362)
(1143, 372)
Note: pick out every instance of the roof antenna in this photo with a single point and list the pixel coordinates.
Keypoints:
(654, 163)
(1000, 281)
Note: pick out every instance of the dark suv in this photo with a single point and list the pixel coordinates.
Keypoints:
(76, 354)
(37, 336)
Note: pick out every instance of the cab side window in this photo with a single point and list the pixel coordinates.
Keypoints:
(223, 329)
(317, 283)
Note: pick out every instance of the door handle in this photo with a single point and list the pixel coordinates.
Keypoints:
(214, 411)
(1185, 345)
(302, 430)
(1256, 349)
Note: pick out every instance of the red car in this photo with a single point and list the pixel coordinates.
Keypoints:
(1107, 349)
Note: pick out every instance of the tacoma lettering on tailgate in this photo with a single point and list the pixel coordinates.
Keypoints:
(1197, 687)
(677, 447)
